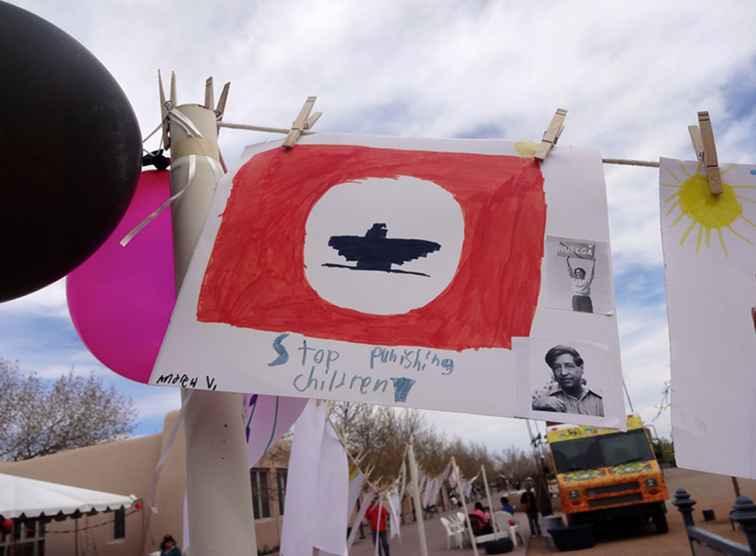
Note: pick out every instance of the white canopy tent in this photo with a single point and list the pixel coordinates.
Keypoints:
(20, 496)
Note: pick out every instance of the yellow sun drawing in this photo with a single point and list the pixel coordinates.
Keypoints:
(701, 212)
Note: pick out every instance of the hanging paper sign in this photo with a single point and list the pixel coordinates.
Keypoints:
(710, 269)
(577, 249)
(384, 270)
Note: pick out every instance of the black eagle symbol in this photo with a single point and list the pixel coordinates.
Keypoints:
(374, 251)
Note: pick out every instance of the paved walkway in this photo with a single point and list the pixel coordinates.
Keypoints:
(409, 545)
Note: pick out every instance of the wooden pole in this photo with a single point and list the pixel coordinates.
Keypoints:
(416, 500)
(464, 505)
(735, 486)
(488, 496)
(76, 536)
(217, 472)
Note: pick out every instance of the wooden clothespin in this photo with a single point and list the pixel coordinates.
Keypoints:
(702, 137)
(166, 106)
(304, 121)
(551, 136)
(209, 93)
(219, 109)
(163, 112)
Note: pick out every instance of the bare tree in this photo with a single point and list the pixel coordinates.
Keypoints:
(515, 465)
(38, 418)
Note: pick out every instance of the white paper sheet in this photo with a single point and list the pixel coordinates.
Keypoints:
(318, 478)
(710, 259)
(279, 356)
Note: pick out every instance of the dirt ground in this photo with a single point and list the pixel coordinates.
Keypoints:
(708, 490)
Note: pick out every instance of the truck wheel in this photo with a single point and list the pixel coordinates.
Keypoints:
(660, 522)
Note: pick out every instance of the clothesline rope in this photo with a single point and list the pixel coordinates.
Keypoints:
(630, 162)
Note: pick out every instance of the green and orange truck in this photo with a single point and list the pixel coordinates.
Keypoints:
(607, 474)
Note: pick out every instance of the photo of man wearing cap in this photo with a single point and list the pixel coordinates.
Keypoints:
(570, 394)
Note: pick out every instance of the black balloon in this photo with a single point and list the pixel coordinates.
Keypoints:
(70, 153)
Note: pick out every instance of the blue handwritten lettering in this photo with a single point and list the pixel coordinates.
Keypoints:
(283, 355)
(402, 387)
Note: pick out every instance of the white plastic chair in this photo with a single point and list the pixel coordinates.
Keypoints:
(452, 530)
(504, 521)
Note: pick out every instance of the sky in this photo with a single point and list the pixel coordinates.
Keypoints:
(632, 76)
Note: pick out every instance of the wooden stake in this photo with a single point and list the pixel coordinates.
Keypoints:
(464, 505)
(416, 499)
(735, 486)
(488, 496)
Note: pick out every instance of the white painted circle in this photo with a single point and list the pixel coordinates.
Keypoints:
(411, 209)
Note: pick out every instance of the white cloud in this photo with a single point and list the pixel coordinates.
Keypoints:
(495, 432)
(158, 402)
(633, 77)
(79, 362)
(49, 301)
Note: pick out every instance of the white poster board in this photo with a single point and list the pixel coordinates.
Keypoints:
(394, 271)
(710, 259)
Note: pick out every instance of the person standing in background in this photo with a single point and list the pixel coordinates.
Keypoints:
(530, 505)
(377, 515)
(168, 547)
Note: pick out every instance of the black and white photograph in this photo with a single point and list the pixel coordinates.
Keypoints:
(567, 390)
(570, 381)
(576, 275)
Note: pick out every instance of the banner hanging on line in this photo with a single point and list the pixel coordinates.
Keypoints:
(318, 478)
(398, 272)
(710, 271)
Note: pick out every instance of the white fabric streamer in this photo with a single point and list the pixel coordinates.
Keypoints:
(191, 160)
(355, 486)
(404, 480)
(318, 478)
(185, 536)
(166, 450)
(364, 505)
(378, 534)
(394, 507)
(185, 122)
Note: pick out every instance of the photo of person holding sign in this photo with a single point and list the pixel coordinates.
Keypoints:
(586, 286)
(581, 285)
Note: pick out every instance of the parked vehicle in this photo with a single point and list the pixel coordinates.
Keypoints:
(606, 474)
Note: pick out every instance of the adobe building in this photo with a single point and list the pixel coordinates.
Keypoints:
(127, 467)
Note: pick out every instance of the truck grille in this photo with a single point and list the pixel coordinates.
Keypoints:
(613, 488)
(611, 500)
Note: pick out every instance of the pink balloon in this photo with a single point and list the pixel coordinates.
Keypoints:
(121, 298)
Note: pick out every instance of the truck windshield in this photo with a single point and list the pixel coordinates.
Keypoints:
(601, 451)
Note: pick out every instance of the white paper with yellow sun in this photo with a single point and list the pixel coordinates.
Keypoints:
(710, 268)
